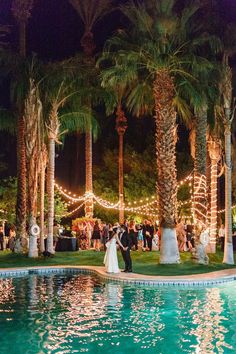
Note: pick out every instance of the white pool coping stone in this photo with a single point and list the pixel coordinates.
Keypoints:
(218, 277)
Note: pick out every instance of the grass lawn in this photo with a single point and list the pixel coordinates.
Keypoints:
(143, 262)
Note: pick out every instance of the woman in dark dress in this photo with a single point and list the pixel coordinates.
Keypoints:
(96, 236)
(133, 233)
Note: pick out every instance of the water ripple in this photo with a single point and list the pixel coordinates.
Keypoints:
(81, 314)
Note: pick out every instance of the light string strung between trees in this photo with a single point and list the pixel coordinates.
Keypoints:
(147, 208)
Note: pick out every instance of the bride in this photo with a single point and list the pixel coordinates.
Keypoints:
(110, 259)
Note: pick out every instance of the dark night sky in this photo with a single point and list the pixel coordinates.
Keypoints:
(54, 32)
(55, 29)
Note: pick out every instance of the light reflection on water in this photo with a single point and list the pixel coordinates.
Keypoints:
(81, 314)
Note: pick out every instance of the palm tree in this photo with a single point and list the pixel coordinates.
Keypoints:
(43, 164)
(53, 137)
(60, 100)
(90, 13)
(114, 103)
(33, 122)
(21, 10)
(157, 54)
(228, 116)
(121, 126)
(200, 166)
(215, 153)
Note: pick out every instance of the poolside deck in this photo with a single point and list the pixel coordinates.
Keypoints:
(217, 277)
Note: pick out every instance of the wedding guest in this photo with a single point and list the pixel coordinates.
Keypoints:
(144, 229)
(56, 234)
(149, 234)
(181, 236)
(105, 235)
(1, 238)
(12, 238)
(133, 234)
(140, 236)
(189, 234)
(96, 236)
(222, 236)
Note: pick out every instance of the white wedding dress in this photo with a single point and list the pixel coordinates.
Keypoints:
(110, 259)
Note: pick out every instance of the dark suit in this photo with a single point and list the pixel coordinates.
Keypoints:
(150, 229)
(126, 241)
(1, 240)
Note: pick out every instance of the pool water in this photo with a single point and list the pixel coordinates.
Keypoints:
(77, 313)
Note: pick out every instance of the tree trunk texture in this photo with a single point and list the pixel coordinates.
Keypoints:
(228, 249)
(121, 126)
(88, 175)
(121, 179)
(88, 45)
(166, 165)
(32, 120)
(199, 187)
(42, 196)
(227, 93)
(214, 149)
(50, 190)
(21, 206)
(21, 209)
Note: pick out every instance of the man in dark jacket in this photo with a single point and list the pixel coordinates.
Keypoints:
(1, 237)
(127, 243)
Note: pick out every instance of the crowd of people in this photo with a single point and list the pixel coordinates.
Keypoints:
(142, 236)
(145, 236)
(7, 237)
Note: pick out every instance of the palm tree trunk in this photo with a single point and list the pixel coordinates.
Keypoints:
(121, 126)
(228, 249)
(166, 165)
(50, 190)
(21, 207)
(42, 197)
(214, 149)
(200, 186)
(89, 175)
(21, 12)
(227, 93)
(200, 192)
(32, 120)
(213, 210)
(33, 187)
(121, 179)
(21, 186)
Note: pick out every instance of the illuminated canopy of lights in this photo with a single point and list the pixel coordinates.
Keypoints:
(145, 206)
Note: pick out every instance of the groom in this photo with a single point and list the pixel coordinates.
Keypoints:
(127, 243)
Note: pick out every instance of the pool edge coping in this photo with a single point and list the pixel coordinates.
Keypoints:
(217, 277)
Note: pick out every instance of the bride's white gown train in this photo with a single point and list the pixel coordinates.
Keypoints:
(110, 259)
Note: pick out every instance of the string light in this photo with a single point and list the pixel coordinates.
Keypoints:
(68, 195)
(199, 209)
(213, 201)
(223, 210)
(72, 211)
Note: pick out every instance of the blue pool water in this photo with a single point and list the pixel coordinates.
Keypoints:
(71, 313)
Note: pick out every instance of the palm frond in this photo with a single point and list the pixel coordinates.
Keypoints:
(140, 100)
(91, 11)
(79, 121)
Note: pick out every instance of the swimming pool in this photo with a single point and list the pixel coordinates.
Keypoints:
(78, 313)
